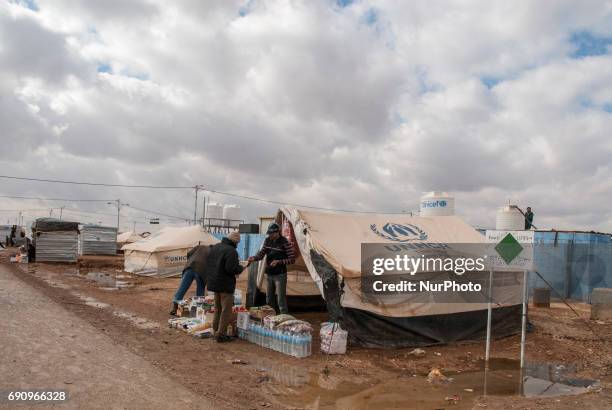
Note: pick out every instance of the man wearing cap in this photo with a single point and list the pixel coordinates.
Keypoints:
(222, 267)
(279, 253)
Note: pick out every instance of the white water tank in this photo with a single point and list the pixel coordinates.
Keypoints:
(232, 212)
(509, 218)
(437, 203)
(214, 212)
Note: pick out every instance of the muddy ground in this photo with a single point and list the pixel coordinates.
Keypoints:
(133, 312)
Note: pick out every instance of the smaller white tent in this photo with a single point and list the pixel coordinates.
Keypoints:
(128, 237)
(164, 253)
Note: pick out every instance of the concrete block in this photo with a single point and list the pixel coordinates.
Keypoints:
(601, 304)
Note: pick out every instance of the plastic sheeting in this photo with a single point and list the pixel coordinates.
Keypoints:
(572, 269)
(52, 224)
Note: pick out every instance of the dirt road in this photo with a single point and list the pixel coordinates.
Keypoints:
(46, 347)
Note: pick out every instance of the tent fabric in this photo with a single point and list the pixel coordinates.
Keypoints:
(164, 253)
(171, 238)
(330, 247)
(128, 237)
(337, 237)
(371, 330)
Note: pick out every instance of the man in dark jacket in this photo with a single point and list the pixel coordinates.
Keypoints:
(194, 270)
(528, 218)
(222, 267)
(279, 253)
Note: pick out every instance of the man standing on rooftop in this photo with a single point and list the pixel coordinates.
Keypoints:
(528, 218)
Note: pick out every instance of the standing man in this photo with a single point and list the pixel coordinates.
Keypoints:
(279, 253)
(222, 267)
(13, 235)
(528, 218)
(194, 270)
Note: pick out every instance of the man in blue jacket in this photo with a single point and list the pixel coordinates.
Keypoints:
(222, 267)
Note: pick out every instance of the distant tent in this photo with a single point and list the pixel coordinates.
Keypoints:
(329, 245)
(128, 237)
(164, 253)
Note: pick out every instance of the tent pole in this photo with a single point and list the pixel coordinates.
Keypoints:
(489, 314)
(524, 319)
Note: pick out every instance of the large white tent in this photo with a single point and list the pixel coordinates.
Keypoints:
(329, 246)
(164, 253)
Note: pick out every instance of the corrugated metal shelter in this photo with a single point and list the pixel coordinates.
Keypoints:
(5, 231)
(98, 240)
(55, 240)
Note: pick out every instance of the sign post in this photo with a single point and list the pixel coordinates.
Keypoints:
(489, 317)
(524, 318)
(508, 249)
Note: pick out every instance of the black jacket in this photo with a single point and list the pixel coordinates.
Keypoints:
(196, 259)
(222, 267)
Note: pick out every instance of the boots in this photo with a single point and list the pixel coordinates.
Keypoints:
(174, 308)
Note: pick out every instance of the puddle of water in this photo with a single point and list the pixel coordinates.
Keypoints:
(89, 301)
(108, 281)
(139, 322)
(503, 378)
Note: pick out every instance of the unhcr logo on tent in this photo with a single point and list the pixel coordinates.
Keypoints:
(400, 232)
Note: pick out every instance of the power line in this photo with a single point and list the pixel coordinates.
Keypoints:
(320, 208)
(26, 210)
(56, 199)
(160, 213)
(58, 181)
(204, 188)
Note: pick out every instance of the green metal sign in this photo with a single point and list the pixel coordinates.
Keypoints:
(508, 248)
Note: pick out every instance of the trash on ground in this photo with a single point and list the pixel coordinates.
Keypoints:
(435, 376)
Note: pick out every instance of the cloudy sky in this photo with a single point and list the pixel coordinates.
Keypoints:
(357, 105)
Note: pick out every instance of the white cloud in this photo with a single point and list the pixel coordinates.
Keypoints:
(362, 107)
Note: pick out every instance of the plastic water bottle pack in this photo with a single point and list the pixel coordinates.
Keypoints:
(292, 344)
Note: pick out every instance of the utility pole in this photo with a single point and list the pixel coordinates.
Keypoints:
(119, 205)
(50, 212)
(195, 208)
(61, 212)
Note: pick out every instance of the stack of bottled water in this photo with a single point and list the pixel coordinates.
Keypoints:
(292, 344)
